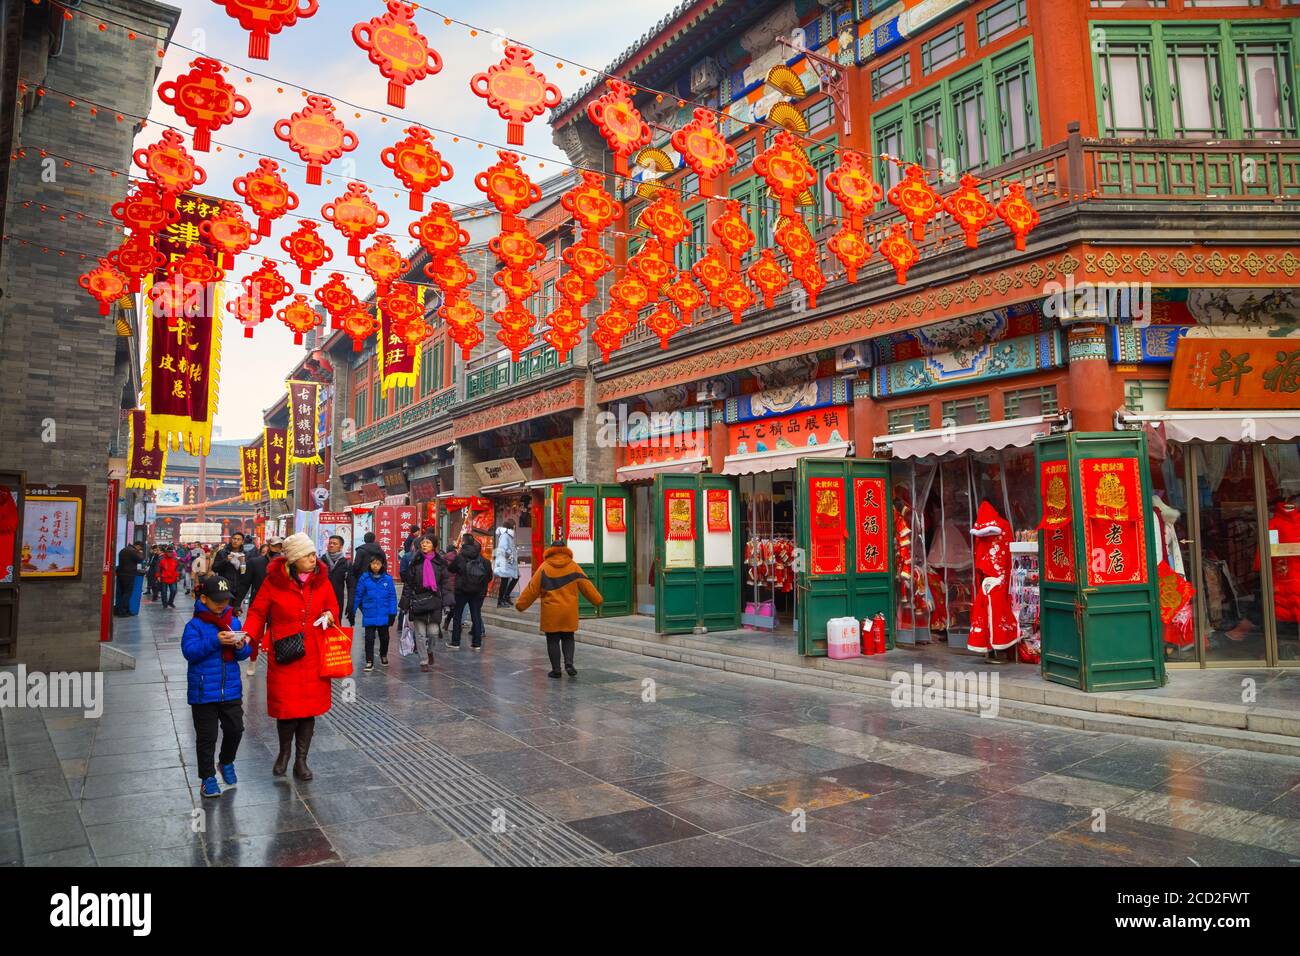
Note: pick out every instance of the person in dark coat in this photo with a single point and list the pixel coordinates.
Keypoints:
(338, 568)
(128, 569)
(424, 594)
(231, 563)
(473, 575)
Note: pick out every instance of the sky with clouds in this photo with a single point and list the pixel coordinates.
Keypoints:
(319, 54)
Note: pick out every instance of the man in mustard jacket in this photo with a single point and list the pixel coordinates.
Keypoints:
(558, 580)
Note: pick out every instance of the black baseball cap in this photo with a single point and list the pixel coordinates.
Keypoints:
(216, 588)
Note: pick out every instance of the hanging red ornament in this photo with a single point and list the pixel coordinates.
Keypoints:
(167, 164)
(517, 284)
(795, 240)
(307, 250)
(228, 232)
(248, 310)
(566, 324)
(590, 204)
(810, 276)
(402, 305)
(851, 249)
(414, 334)
(516, 332)
(733, 233)
(573, 288)
(768, 276)
(300, 316)
(204, 100)
(629, 294)
(685, 295)
(383, 263)
(589, 262)
(704, 149)
(398, 48)
(105, 283)
(188, 289)
(619, 122)
(516, 91)
(664, 218)
(517, 248)
(359, 323)
(147, 210)
(266, 287)
(355, 215)
(464, 319)
(713, 274)
(266, 193)
(650, 266)
(137, 258)
(507, 186)
(969, 208)
(1018, 213)
(736, 298)
(852, 184)
(899, 251)
(439, 232)
(916, 200)
(663, 323)
(263, 18)
(612, 326)
(417, 164)
(450, 274)
(317, 136)
(785, 166)
(337, 298)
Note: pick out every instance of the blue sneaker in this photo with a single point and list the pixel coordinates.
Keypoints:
(228, 775)
(210, 788)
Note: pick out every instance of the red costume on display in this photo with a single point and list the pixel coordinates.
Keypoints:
(1286, 571)
(992, 624)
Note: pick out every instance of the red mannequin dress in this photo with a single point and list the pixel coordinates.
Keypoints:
(992, 625)
(1286, 571)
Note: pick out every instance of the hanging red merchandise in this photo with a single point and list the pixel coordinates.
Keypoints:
(852, 184)
(899, 252)
(167, 164)
(355, 215)
(515, 89)
(851, 249)
(228, 232)
(146, 210)
(299, 316)
(317, 136)
(263, 18)
(1018, 213)
(733, 233)
(383, 263)
(785, 167)
(1114, 530)
(916, 199)
(398, 48)
(717, 510)
(619, 122)
(969, 209)
(768, 276)
(685, 295)
(679, 514)
(307, 249)
(204, 100)
(136, 258)
(872, 542)
(337, 298)
(105, 283)
(266, 193)
(704, 149)
(417, 164)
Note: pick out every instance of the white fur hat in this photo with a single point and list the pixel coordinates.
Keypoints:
(298, 546)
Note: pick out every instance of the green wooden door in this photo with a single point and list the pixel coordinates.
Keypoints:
(720, 559)
(605, 556)
(1059, 547)
(839, 576)
(697, 582)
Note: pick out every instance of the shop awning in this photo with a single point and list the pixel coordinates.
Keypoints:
(782, 459)
(1013, 433)
(646, 472)
(547, 482)
(1259, 425)
(501, 488)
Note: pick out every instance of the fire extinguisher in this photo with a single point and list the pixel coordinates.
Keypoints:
(868, 636)
(878, 633)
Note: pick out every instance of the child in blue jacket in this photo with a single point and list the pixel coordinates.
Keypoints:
(214, 646)
(376, 599)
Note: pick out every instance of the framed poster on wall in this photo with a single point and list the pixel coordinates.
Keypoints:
(11, 503)
(53, 520)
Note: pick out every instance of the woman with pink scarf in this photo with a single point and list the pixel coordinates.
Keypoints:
(423, 585)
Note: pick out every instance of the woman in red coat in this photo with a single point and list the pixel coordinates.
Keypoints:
(295, 598)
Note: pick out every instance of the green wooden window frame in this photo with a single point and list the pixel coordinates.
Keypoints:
(966, 411)
(980, 117)
(1000, 19)
(757, 208)
(359, 409)
(1137, 392)
(1043, 398)
(690, 250)
(1217, 57)
(820, 114)
(826, 207)
(948, 47)
(913, 418)
(891, 77)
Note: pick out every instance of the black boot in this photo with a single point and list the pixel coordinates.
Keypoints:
(285, 730)
(304, 734)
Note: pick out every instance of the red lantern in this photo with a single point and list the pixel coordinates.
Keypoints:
(713, 274)
(517, 248)
(611, 327)
(337, 298)
(516, 91)
(589, 262)
(402, 305)
(418, 165)
(1018, 213)
(187, 289)
(899, 251)
(684, 294)
(786, 168)
(736, 298)
(851, 249)
(574, 289)
(619, 122)
(969, 208)
(228, 232)
(299, 316)
(795, 240)
(137, 258)
(733, 233)
(566, 324)
(664, 324)
(665, 220)
(248, 310)
(317, 136)
(438, 232)
(768, 276)
(463, 318)
(401, 52)
(266, 194)
(650, 266)
(704, 149)
(810, 276)
(167, 164)
(266, 286)
(262, 18)
(105, 283)
(307, 249)
(629, 294)
(852, 184)
(146, 210)
(516, 332)
(507, 186)
(355, 215)
(916, 200)
(383, 263)
(450, 274)
(359, 324)
(590, 204)
(204, 100)
(517, 284)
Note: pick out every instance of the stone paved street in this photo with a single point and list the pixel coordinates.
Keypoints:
(585, 771)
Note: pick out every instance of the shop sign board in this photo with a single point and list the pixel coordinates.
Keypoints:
(1210, 373)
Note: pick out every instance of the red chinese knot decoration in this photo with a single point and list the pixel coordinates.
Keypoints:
(768, 276)
(417, 164)
(704, 149)
(337, 298)
(733, 232)
(355, 215)
(401, 52)
(507, 186)
(463, 319)
(899, 251)
(851, 249)
(1017, 212)
(266, 193)
(383, 263)
(852, 184)
(359, 324)
(228, 232)
(105, 283)
(316, 135)
(916, 200)
(786, 168)
(664, 324)
(263, 18)
(969, 208)
(307, 250)
(620, 123)
(516, 91)
(299, 316)
(146, 210)
(167, 164)
(204, 100)
(137, 258)
(590, 205)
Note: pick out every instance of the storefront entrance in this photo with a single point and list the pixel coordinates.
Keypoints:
(767, 584)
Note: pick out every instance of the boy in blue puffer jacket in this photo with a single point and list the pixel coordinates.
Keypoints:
(376, 599)
(214, 646)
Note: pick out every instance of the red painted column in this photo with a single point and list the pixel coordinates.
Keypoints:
(1093, 385)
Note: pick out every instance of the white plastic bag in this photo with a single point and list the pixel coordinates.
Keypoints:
(406, 643)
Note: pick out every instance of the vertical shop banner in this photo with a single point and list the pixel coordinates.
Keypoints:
(334, 523)
(53, 521)
(250, 472)
(146, 466)
(182, 368)
(406, 516)
(717, 509)
(1058, 544)
(557, 512)
(386, 533)
(679, 528)
(578, 518)
(615, 515)
(1115, 522)
(829, 529)
(277, 468)
(872, 546)
(398, 363)
(302, 423)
